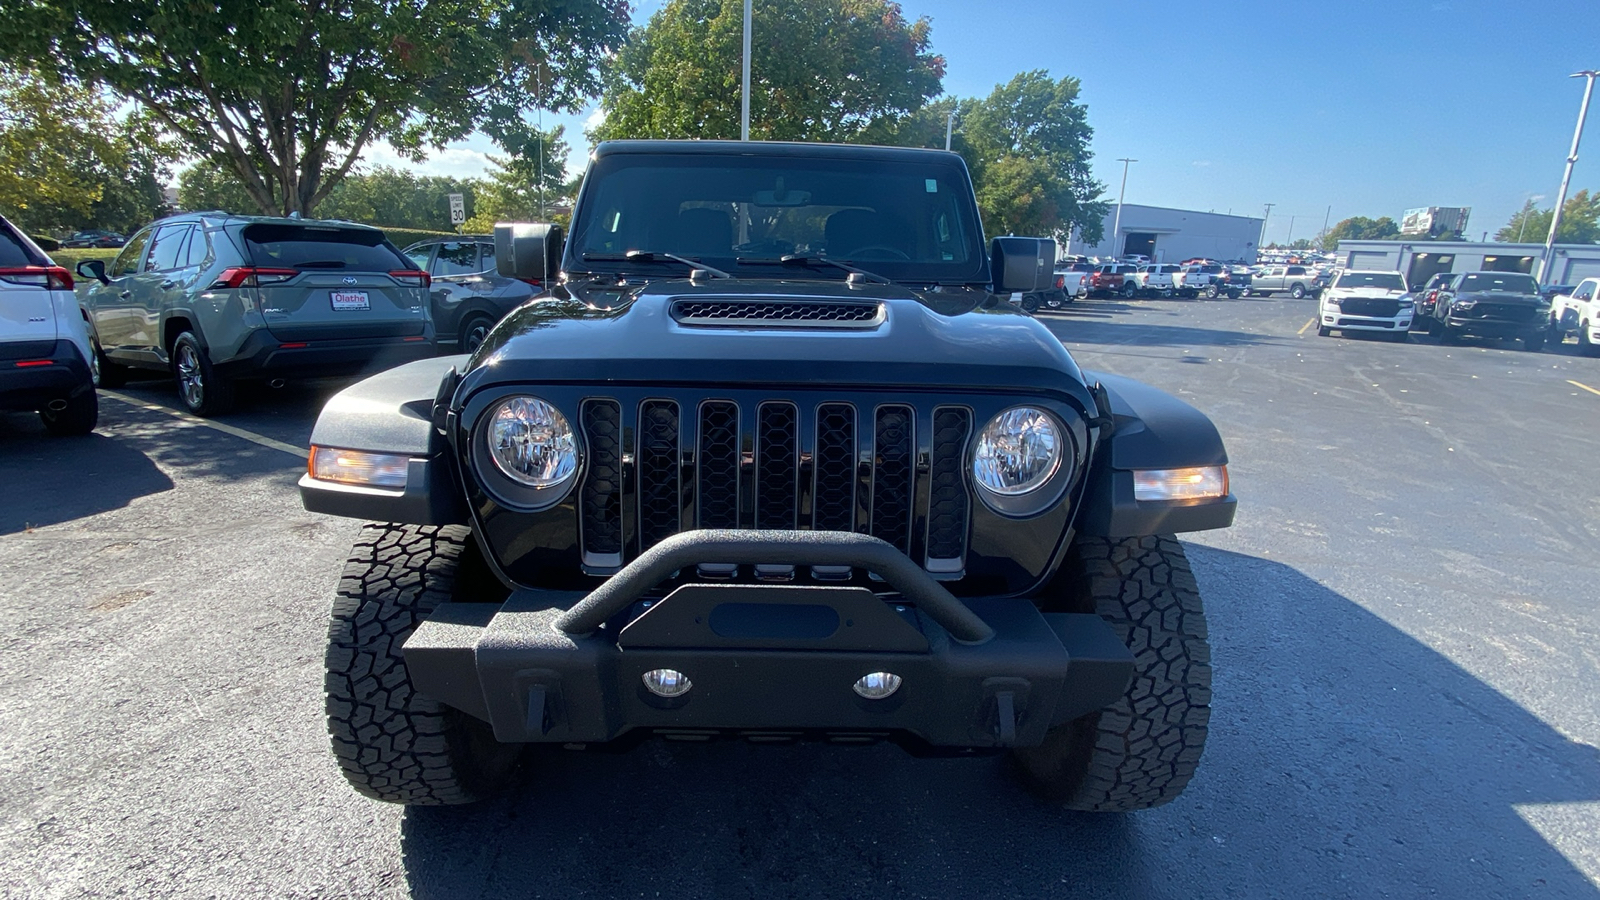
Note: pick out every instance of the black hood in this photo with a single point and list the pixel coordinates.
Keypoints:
(595, 332)
(1510, 297)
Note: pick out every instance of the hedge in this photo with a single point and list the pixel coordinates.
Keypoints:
(405, 237)
(69, 258)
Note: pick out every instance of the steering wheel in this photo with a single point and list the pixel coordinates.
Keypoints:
(887, 251)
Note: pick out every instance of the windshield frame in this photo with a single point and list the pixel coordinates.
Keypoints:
(949, 168)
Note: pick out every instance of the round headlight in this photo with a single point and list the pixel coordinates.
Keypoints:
(1018, 452)
(531, 442)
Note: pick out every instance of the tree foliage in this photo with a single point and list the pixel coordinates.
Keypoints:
(1360, 228)
(383, 195)
(1580, 222)
(528, 183)
(286, 94)
(69, 161)
(821, 70)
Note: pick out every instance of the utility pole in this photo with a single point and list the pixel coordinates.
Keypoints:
(744, 97)
(1326, 218)
(1116, 228)
(1289, 240)
(1262, 241)
(1566, 177)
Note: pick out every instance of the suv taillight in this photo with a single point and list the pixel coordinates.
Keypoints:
(250, 276)
(412, 277)
(51, 278)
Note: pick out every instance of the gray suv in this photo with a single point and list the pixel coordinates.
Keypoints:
(468, 295)
(215, 298)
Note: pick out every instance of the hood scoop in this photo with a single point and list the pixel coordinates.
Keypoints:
(766, 312)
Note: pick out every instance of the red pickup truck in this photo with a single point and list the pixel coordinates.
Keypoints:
(1107, 280)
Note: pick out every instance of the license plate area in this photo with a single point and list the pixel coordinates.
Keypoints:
(344, 301)
(714, 616)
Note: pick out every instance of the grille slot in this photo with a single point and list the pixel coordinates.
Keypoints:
(947, 493)
(777, 466)
(1370, 306)
(600, 522)
(779, 313)
(893, 475)
(660, 481)
(717, 476)
(834, 472)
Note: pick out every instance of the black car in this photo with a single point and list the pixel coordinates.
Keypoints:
(468, 295)
(774, 458)
(94, 238)
(1492, 305)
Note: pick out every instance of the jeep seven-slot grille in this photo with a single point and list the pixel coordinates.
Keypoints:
(776, 464)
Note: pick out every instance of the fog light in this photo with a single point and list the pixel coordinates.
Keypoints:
(877, 685)
(380, 470)
(1202, 483)
(667, 682)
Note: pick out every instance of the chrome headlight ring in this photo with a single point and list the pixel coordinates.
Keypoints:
(1022, 461)
(526, 452)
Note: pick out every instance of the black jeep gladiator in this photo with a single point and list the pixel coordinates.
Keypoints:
(774, 458)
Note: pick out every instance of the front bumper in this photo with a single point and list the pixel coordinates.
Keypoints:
(1344, 322)
(768, 661)
(33, 382)
(1494, 328)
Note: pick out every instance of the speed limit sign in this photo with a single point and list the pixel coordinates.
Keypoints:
(458, 209)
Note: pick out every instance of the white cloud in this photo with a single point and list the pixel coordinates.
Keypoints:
(595, 119)
(455, 160)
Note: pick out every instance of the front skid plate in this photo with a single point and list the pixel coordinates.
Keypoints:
(511, 666)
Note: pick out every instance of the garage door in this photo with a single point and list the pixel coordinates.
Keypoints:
(1369, 259)
(1579, 269)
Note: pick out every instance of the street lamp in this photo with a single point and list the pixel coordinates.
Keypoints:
(949, 126)
(1116, 227)
(1262, 240)
(744, 93)
(1566, 177)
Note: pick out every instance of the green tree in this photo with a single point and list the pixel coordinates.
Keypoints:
(69, 160)
(527, 183)
(383, 195)
(821, 70)
(1027, 145)
(288, 93)
(1580, 222)
(1360, 228)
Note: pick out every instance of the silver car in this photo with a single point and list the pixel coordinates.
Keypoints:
(214, 299)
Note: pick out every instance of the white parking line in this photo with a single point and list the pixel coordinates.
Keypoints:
(250, 436)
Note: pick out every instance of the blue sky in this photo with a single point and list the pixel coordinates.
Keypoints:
(1367, 107)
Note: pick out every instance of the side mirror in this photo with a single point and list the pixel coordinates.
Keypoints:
(1022, 264)
(527, 252)
(93, 268)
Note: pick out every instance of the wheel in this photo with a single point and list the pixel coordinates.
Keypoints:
(1400, 337)
(1211, 292)
(1533, 343)
(1448, 335)
(201, 389)
(1130, 291)
(80, 416)
(392, 743)
(1298, 292)
(1586, 346)
(1323, 331)
(107, 373)
(1166, 293)
(1030, 303)
(473, 331)
(1142, 750)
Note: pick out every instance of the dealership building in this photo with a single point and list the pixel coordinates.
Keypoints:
(1172, 235)
(1419, 261)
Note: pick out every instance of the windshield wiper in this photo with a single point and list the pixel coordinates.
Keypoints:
(321, 264)
(795, 259)
(653, 256)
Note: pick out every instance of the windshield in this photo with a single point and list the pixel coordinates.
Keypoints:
(1385, 281)
(322, 247)
(1510, 282)
(913, 221)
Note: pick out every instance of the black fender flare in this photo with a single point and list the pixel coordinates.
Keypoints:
(392, 413)
(1149, 429)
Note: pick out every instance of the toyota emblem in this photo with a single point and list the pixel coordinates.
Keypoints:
(349, 279)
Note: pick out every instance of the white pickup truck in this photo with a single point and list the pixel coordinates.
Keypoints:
(1152, 279)
(1577, 313)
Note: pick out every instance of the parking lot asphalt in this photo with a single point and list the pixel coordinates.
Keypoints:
(1403, 622)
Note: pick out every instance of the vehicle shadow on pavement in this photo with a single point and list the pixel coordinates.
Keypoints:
(1346, 758)
(47, 480)
(1147, 334)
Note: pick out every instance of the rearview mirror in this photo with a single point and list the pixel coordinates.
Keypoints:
(93, 268)
(527, 251)
(1022, 264)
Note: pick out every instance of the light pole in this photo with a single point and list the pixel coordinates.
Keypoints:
(1566, 177)
(1262, 241)
(949, 126)
(1116, 228)
(744, 93)
(1288, 241)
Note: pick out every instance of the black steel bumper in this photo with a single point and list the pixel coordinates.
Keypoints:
(265, 356)
(31, 383)
(768, 660)
(1496, 328)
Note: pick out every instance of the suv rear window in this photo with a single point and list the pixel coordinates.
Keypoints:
(321, 247)
(12, 252)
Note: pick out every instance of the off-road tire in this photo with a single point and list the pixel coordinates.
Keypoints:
(79, 418)
(1141, 751)
(392, 743)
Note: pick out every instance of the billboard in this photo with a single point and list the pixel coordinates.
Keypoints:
(1435, 220)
